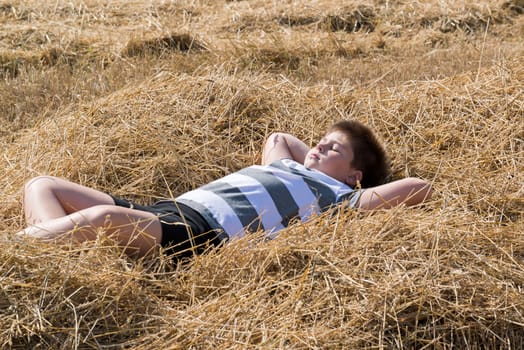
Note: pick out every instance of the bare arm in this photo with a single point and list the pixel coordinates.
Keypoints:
(281, 145)
(408, 191)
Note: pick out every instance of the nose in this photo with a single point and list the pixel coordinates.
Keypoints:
(321, 147)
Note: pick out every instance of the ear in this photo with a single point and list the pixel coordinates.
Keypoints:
(353, 178)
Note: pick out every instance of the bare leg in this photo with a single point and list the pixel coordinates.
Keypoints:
(139, 232)
(47, 197)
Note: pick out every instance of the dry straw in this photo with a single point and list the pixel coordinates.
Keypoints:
(160, 120)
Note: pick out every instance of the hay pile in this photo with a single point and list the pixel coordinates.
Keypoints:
(147, 101)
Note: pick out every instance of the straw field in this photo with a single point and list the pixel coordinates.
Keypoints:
(148, 99)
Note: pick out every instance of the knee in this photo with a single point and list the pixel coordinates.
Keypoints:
(39, 183)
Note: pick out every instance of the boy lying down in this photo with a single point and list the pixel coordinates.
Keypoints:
(348, 165)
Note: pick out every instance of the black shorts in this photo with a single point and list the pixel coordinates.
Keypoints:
(184, 231)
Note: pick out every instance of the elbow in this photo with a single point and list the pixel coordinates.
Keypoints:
(274, 138)
(273, 146)
(276, 134)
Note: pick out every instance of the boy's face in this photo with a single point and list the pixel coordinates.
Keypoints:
(333, 156)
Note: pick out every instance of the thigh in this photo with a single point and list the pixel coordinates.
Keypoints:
(137, 231)
(71, 196)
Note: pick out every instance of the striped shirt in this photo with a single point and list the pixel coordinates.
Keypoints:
(266, 197)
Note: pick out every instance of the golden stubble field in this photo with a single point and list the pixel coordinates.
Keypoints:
(147, 99)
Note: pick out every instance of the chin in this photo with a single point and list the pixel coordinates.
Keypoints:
(311, 165)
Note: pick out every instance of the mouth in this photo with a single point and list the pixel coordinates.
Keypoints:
(314, 156)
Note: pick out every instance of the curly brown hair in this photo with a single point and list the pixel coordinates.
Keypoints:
(369, 155)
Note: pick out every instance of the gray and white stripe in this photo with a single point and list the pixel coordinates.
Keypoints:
(265, 197)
